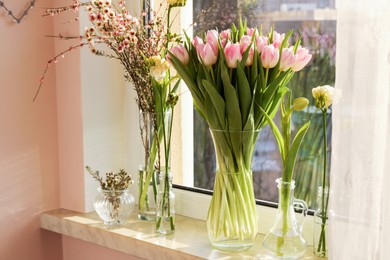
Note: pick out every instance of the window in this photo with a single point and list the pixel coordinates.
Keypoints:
(315, 21)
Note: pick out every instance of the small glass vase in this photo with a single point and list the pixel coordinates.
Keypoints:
(165, 219)
(114, 207)
(232, 223)
(147, 195)
(320, 246)
(285, 237)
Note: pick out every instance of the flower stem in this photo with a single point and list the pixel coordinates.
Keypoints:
(324, 204)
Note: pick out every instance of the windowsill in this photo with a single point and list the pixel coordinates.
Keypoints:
(138, 238)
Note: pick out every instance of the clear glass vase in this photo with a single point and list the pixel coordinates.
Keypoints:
(285, 237)
(232, 222)
(320, 246)
(165, 219)
(114, 207)
(147, 195)
(147, 182)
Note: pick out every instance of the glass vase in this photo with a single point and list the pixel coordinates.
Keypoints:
(147, 182)
(285, 240)
(165, 219)
(320, 246)
(114, 207)
(232, 218)
(147, 195)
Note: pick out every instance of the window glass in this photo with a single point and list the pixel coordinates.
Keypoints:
(315, 21)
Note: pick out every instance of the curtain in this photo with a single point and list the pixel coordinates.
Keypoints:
(359, 222)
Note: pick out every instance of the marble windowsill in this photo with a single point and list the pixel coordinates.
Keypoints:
(137, 238)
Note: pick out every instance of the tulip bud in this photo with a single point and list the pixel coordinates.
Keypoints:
(233, 54)
(180, 53)
(212, 39)
(302, 59)
(300, 104)
(287, 60)
(206, 54)
(269, 56)
(196, 41)
(261, 41)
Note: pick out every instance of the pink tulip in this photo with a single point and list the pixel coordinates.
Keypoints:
(196, 41)
(302, 59)
(233, 54)
(180, 53)
(245, 42)
(261, 41)
(269, 56)
(277, 39)
(251, 31)
(225, 37)
(206, 54)
(212, 39)
(226, 34)
(287, 59)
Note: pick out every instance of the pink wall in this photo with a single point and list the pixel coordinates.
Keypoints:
(29, 180)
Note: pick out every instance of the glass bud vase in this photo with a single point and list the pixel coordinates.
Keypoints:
(232, 218)
(147, 195)
(285, 237)
(147, 182)
(320, 246)
(114, 207)
(165, 219)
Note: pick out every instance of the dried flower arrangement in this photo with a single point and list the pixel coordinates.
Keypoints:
(113, 181)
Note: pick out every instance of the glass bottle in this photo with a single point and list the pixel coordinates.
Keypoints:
(320, 246)
(165, 218)
(285, 237)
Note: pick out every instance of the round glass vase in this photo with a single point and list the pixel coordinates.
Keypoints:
(114, 207)
(284, 240)
(232, 223)
(165, 218)
(320, 246)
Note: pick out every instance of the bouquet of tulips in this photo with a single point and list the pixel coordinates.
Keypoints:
(236, 76)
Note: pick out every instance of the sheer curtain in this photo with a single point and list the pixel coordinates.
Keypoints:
(360, 174)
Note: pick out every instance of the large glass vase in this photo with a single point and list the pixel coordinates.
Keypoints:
(232, 219)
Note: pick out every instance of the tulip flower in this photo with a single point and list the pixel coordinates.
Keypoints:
(302, 59)
(212, 39)
(245, 42)
(206, 54)
(277, 39)
(261, 41)
(196, 41)
(226, 34)
(225, 37)
(180, 53)
(251, 31)
(287, 59)
(233, 54)
(269, 56)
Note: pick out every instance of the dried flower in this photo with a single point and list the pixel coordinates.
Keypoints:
(112, 181)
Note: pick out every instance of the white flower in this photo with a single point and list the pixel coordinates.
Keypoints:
(158, 68)
(323, 96)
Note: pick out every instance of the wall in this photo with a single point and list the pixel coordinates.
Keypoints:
(28, 137)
